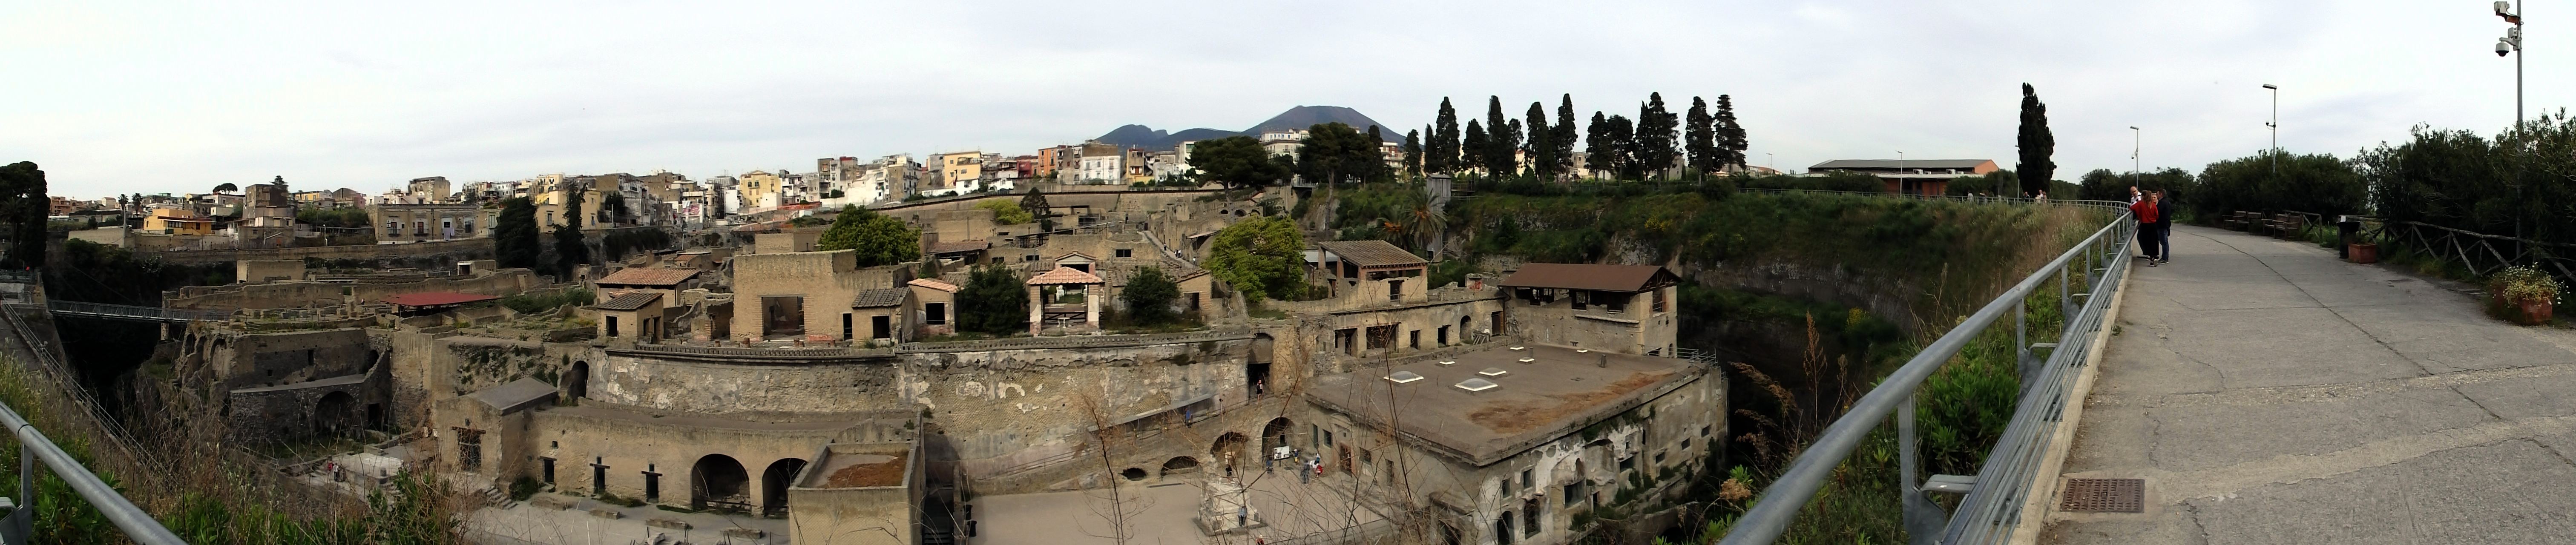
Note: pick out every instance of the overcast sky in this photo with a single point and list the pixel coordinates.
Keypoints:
(118, 97)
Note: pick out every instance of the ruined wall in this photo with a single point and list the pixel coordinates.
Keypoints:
(310, 294)
(294, 411)
(1637, 329)
(448, 251)
(234, 360)
(630, 442)
(721, 386)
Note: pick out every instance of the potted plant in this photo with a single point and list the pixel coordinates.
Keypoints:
(2365, 253)
(2525, 294)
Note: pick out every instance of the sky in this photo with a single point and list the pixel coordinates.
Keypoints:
(122, 97)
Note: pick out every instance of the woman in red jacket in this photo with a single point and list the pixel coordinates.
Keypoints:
(2150, 240)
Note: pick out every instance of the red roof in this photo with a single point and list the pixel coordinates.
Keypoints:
(431, 298)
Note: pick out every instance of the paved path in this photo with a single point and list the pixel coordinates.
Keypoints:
(2271, 394)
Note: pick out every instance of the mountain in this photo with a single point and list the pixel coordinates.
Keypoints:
(1295, 118)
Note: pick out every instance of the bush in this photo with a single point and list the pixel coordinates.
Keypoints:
(1007, 211)
(524, 487)
(1261, 257)
(2316, 184)
(880, 239)
(993, 301)
(1148, 295)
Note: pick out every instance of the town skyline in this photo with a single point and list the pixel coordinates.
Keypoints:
(366, 109)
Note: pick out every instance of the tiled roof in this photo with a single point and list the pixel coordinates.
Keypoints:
(1064, 275)
(1627, 278)
(933, 283)
(642, 276)
(937, 248)
(1371, 253)
(630, 300)
(880, 298)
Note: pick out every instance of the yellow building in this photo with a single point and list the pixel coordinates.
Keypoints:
(178, 222)
(760, 189)
(551, 212)
(959, 169)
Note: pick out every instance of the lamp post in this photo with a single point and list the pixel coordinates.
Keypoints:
(2137, 138)
(2509, 45)
(2275, 125)
(1900, 171)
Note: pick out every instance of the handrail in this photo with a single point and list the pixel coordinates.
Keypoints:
(1789, 494)
(137, 525)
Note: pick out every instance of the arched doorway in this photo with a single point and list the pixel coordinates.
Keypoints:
(1180, 464)
(1275, 435)
(718, 480)
(335, 413)
(774, 483)
(577, 382)
(1464, 335)
(1256, 369)
(1228, 450)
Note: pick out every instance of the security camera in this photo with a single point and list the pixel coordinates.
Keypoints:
(2503, 7)
(2503, 49)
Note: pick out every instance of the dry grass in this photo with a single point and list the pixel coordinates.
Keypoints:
(886, 473)
(1510, 417)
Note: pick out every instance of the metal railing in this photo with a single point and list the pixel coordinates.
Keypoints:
(17, 526)
(130, 312)
(1992, 509)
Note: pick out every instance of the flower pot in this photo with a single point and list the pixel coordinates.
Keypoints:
(2534, 311)
(2365, 253)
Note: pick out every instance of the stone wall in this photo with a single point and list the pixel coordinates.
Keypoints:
(311, 294)
(331, 405)
(233, 360)
(448, 251)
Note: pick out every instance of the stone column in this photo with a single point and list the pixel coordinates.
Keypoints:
(1037, 312)
(1091, 297)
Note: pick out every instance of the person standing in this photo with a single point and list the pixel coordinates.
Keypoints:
(2146, 215)
(2166, 206)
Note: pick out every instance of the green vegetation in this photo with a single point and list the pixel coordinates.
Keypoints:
(2316, 184)
(2514, 182)
(2036, 143)
(23, 209)
(1006, 211)
(1336, 152)
(514, 235)
(1149, 296)
(1261, 257)
(617, 243)
(879, 239)
(532, 303)
(1236, 161)
(993, 301)
(333, 217)
(569, 250)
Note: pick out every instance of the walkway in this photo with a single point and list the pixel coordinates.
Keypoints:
(2269, 393)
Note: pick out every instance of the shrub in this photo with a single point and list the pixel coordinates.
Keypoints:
(1007, 211)
(2520, 283)
(1148, 295)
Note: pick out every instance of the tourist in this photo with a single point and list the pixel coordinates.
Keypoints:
(2146, 216)
(2166, 206)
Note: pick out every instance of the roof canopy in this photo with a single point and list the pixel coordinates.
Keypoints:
(1372, 253)
(1572, 276)
(1064, 275)
(630, 300)
(880, 298)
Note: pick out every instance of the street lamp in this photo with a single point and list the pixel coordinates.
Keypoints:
(2510, 44)
(2275, 125)
(1900, 171)
(2136, 139)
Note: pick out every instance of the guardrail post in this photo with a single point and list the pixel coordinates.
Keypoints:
(22, 521)
(2021, 344)
(1923, 519)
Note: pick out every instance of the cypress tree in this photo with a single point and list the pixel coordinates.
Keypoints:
(1444, 140)
(1697, 139)
(1500, 139)
(1471, 148)
(1622, 135)
(2035, 142)
(1597, 145)
(1507, 148)
(1652, 147)
(1565, 135)
(1542, 143)
(1730, 135)
(1412, 154)
(25, 207)
(569, 250)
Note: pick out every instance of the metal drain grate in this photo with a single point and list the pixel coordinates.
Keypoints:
(2105, 496)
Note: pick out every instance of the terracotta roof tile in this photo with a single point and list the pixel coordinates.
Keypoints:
(629, 300)
(1064, 275)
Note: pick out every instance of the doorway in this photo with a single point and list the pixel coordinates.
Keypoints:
(782, 316)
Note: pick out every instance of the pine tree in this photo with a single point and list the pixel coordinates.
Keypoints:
(1730, 135)
(1471, 148)
(1563, 140)
(2035, 142)
(1652, 147)
(569, 250)
(1412, 154)
(1541, 145)
(1697, 140)
(1444, 141)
